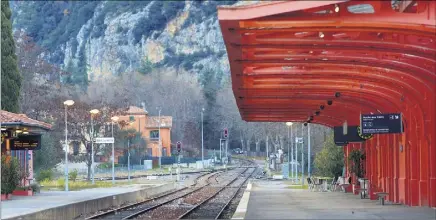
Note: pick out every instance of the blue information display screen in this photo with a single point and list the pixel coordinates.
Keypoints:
(381, 123)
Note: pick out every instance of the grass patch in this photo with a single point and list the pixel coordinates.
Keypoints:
(79, 185)
(298, 186)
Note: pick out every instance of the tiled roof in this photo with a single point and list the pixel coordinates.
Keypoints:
(153, 121)
(9, 118)
(133, 110)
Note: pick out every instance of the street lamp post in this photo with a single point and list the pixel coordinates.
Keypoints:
(302, 155)
(289, 124)
(93, 112)
(66, 104)
(114, 119)
(308, 151)
(128, 159)
(202, 143)
(159, 143)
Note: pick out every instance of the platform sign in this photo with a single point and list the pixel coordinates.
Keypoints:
(381, 123)
(26, 142)
(351, 136)
(104, 140)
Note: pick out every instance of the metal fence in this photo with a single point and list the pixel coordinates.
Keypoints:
(135, 168)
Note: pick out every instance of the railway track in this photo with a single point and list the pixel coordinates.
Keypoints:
(208, 197)
(213, 207)
(178, 207)
(125, 211)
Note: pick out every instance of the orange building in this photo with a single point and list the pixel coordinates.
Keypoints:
(148, 126)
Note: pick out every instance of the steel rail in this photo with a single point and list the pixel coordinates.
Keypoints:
(107, 213)
(213, 195)
(166, 202)
(234, 195)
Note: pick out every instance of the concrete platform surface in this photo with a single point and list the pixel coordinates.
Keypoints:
(22, 205)
(275, 200)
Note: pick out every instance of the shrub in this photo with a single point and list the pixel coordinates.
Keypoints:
(44, 175)
(11, 175)
(22, 188)
(60, 182)
(73, 175)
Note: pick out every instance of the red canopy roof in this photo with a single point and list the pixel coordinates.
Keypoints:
(289, 58)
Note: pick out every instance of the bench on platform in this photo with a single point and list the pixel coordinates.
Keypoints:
(381, 196)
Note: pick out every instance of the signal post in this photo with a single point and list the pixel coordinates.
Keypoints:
(179, 149)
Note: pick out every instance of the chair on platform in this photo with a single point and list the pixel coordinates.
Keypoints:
(333, 185)
(310, 183)
(317, 184)
(345, 184)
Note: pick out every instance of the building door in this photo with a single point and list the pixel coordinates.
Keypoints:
(164, 152)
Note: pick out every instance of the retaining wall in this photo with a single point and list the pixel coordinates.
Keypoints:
(85, 208)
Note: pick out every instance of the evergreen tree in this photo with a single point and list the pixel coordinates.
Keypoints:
(10, 77)
(78, 74)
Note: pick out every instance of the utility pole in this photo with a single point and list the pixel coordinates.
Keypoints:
(128, 159)
(114, 119)
(160, 144)
(296, 159)
(267, 154)
(302, 155)
(66, 104)
(308, 151)
(289, 124)
(202, 141)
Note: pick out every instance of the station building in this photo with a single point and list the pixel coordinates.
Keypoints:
(21, 135)
(329, 62)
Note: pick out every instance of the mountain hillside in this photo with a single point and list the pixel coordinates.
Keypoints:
(113, 37)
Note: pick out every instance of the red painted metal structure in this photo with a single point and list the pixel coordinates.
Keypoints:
(289, 58)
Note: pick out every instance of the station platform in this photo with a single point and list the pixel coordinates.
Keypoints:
(48, 204)
(276, 200)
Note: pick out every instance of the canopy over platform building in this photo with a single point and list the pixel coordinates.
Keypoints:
(328, 62)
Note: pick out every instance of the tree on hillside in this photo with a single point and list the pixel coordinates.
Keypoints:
(78, 73)
(330, 160)
(10, 77)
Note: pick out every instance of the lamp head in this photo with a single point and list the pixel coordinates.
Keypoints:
(69, 103)
(115, 118)
(289, 124)
(94, 111)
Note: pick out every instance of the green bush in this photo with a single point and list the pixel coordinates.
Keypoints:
(330, 160)
(60, 182)
(73, 175)
(22, 188)
(44, 175)
(107, 165)
(11, 175)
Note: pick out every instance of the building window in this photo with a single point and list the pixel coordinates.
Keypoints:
(154, 135)
(150, 152)
(131, 118)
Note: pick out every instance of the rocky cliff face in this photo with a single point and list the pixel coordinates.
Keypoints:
(116, 37)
